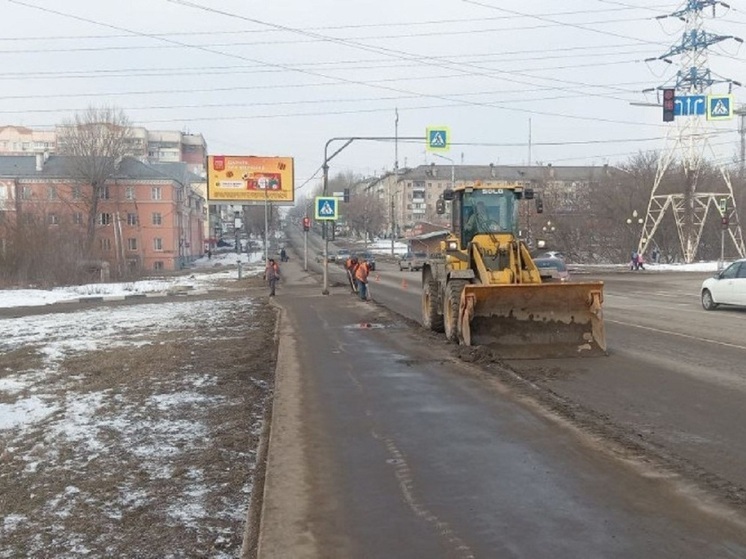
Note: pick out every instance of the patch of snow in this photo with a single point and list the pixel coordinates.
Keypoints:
(25, 411)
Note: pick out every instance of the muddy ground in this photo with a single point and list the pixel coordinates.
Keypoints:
(143, 442)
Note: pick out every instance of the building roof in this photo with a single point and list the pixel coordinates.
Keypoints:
(504, 172)
(56, 166)
(17, 165)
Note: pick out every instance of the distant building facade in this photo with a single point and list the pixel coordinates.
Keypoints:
(149, 216)
(150, 146)
(411, 195)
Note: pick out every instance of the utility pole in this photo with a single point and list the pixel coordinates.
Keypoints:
(396, 179)
(690, 138)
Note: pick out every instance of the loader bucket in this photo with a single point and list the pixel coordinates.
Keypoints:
(534, 321)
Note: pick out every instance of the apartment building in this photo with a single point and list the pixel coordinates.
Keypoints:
(149, 216)
(149, 146)
(411, 194)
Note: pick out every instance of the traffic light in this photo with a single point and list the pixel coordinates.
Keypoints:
(440, 206)
(306, 223)
(347, 195)
(723, 206)
(669, 103)
(539, 205)
(725, 221)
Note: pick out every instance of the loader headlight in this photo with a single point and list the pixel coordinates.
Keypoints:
(452, 245)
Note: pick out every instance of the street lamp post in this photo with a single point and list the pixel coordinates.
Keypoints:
(325, 167)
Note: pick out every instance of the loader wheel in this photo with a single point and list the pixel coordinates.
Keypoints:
(431, 318)
(451, 308)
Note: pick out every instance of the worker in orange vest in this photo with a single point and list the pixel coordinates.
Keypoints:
(351, 265)
(361, 275)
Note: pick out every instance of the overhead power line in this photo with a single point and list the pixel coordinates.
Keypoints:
(391, 24)
(389, 52)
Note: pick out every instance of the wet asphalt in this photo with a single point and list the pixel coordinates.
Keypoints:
(399, 450)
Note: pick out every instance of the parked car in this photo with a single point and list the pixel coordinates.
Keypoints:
(552, 269)
(412, 261)
(340, 256)
(370, 258)
(725, 288)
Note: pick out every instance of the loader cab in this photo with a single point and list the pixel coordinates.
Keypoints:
(478, 211)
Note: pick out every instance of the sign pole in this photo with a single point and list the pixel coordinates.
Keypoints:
(325, 290)
(266, 226)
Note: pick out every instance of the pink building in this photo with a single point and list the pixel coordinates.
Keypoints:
(149, 216)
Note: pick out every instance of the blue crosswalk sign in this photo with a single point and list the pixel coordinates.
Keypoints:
(719, 107)
(438, 138)
(326, 208)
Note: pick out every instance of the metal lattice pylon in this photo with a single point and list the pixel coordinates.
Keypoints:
(691, 139)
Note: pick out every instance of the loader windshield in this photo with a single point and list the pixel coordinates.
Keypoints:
(491, 210)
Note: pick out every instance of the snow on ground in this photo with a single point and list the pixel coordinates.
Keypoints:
(205, 272)
(133, 421)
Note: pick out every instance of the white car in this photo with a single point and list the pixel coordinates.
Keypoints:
(726, 288)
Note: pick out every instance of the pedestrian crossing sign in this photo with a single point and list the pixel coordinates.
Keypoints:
(327, 208)
(719, 107)
(438, 138)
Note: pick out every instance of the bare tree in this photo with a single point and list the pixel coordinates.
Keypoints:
(94, 141)
(365, 214)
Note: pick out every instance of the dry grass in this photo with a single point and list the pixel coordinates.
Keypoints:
(151, 449)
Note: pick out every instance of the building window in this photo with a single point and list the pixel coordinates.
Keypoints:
(155, 193)
(105, 244)
(131, 244)
(78, 218)
(103, 192)
(158, 265)
(129, 193)
(131, 219)
(26, 193)
(157, 219)
(104, 218)
(158, 244)
(77, 195)
(51, 193)
(53, 219)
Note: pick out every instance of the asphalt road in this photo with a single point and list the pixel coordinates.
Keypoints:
(386, 444)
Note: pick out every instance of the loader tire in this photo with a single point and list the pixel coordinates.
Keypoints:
(451, 308)
(432, 319)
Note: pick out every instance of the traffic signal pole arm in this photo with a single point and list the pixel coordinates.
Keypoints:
(347, 141)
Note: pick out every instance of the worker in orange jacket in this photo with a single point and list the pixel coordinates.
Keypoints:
(351, 265)
(361, 275)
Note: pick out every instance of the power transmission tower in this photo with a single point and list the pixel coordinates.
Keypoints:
(691, 139)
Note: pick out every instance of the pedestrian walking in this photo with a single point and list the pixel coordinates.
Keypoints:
(272, 275)
(633, 265)
(361, 275)
(283, 255)
(640, 262)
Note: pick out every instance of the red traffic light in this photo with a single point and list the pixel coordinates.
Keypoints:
(669, 104)
(306, 223)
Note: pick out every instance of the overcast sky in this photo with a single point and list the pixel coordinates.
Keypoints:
(281, 77)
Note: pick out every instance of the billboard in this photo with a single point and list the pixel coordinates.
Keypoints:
(247, 178)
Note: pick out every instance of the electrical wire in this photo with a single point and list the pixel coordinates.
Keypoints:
(390, 52)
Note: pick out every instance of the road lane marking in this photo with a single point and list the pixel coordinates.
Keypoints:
(687, 336)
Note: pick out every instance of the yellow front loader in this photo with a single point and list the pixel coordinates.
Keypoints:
(484, 288)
